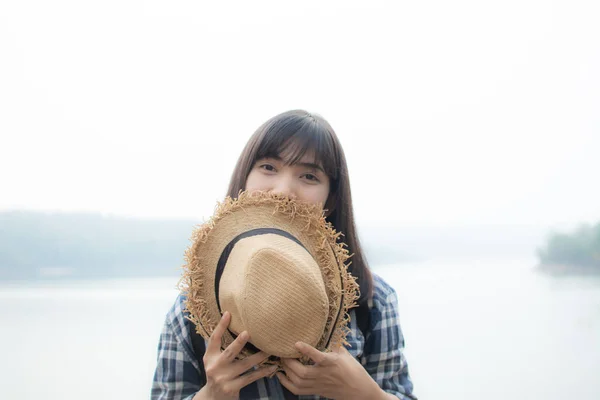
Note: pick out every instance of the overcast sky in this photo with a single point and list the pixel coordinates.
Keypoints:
(449, 112)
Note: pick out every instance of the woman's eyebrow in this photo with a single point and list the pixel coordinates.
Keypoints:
(311, 165)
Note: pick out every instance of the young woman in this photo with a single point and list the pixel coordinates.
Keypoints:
(296, 154)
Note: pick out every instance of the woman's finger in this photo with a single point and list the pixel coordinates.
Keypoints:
(232, 351)
(312, 353)
(289, 385)
(297, 369)
(297, 381)
(244, 365)
(214, 342)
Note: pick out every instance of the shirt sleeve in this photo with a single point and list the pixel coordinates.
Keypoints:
(384, 357)
(175, 377)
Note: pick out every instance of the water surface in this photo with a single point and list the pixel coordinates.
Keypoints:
(474, 330)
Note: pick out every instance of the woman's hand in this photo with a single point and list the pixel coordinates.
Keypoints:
(224, 377)
(335, 375)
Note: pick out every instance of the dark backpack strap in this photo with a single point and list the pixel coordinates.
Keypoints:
(199, 349)
(363, 318)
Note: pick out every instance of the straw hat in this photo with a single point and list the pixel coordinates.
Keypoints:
(278, 267)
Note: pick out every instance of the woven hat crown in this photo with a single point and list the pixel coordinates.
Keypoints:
(274, 289)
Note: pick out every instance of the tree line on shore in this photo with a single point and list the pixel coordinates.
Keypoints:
(575, 252)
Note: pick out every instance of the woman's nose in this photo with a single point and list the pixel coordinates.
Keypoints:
(285, 188)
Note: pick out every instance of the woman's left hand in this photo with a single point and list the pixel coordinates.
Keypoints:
(335, 375)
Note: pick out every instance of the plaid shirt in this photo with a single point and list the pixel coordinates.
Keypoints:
(177, 372)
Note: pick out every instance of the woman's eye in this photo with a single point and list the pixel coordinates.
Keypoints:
(268, 167)
(311, 177)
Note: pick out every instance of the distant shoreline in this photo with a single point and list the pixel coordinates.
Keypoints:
(568, 270)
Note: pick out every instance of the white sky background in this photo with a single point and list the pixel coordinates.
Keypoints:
(460, 112)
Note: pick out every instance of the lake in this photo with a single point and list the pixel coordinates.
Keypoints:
(475, 329)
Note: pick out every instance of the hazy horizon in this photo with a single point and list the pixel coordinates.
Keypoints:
(36, 245)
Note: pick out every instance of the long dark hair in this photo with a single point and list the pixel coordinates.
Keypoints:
(304, 132)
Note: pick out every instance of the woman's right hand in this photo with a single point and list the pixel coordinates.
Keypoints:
(224, 377)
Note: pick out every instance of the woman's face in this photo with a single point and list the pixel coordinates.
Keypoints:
(304, 180)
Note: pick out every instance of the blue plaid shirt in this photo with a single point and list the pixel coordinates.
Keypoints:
(177, 374)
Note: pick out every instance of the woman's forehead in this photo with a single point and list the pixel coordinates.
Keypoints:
(289, 156)
(294, 153)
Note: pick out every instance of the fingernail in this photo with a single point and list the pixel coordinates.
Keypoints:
(244, 335)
